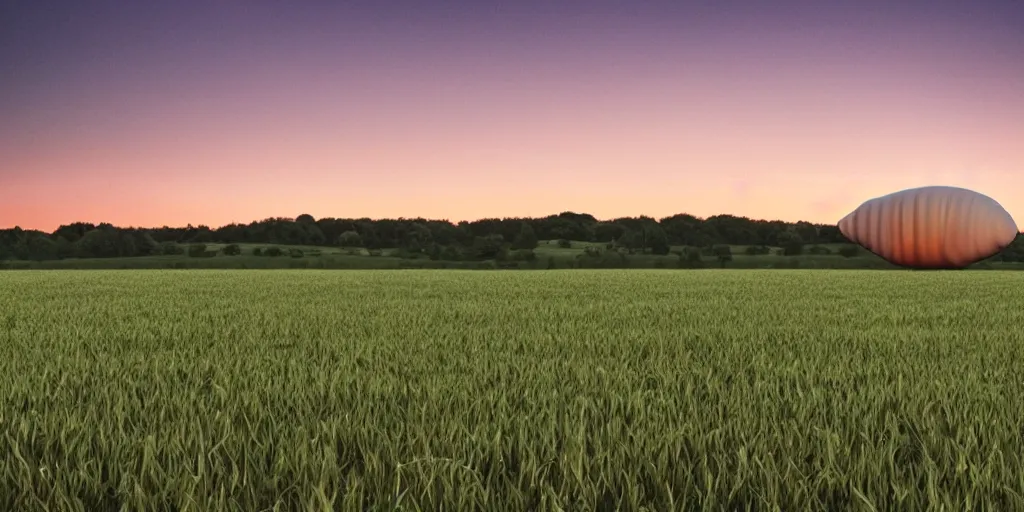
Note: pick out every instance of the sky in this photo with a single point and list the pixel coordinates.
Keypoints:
(212, 112)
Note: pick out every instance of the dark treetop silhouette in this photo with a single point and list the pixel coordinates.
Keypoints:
(480, 239)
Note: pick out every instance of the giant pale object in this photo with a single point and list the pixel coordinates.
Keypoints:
(931, 227)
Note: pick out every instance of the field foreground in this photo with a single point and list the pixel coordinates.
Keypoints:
(448, 390)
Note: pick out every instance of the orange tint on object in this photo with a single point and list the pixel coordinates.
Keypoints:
(931, 227)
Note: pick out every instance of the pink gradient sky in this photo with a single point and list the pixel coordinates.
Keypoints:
(240, 112)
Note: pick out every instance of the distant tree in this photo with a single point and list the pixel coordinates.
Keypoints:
(723, 253)
(607, 231)
(74, 232)
(444, 233)
(257, 252)
(564, 243)
(65, 249)
(143, 242)
(200, 235)
(171, 248)
(683, 229)
(305, 218)
(691, 257)
(1013, 252)
(526, 239)
(36, 246)
(567, 225)
(273, 252)
(232, 250)
(103, 242)
(792, 244)
(489, 247)
(367, 230)
(450, 253)
(831, 235)
(807, 231)
(630, 240)
(434, 252)
(524, 255)
(416, 239)
(655, 239)
(350, 239)
(313, 234)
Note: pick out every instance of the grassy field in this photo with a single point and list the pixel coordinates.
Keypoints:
(572, 390)
(548, 255)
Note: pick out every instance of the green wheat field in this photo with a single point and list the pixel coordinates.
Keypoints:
(549, 390)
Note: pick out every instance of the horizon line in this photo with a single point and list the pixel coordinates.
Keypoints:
(426, 219)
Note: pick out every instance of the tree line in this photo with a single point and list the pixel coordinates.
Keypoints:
(481, 239)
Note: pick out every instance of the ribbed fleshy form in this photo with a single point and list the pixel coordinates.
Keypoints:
(931, 227)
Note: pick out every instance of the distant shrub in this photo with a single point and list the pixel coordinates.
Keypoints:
(171, 248)
(273, 252)
(523, 255)
(564, 244)
(232, 250)
(197, 250)
(793, 248)
(597, 258)
(295, 253)
(757, 250)
(723, 253)
(691, 257)
(818, 250)
(257, 252)
(849, 251)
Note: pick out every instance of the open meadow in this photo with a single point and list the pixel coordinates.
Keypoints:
(474, 390)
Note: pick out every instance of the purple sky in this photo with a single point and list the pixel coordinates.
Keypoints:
(151, 113)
